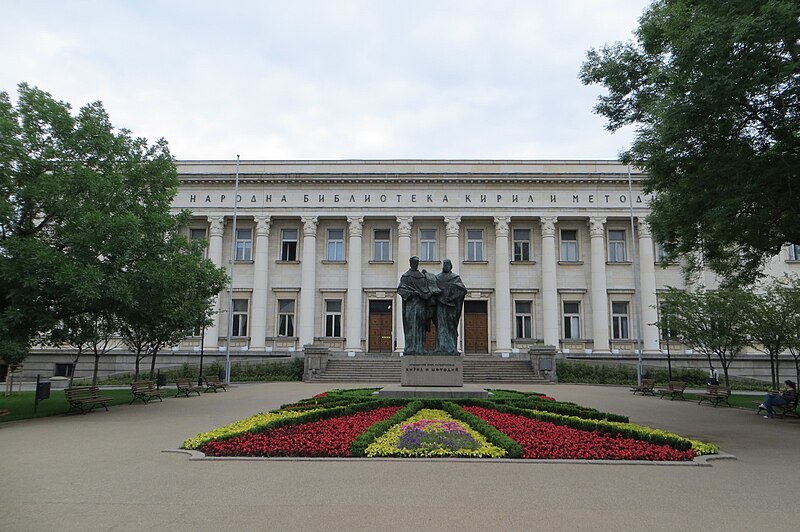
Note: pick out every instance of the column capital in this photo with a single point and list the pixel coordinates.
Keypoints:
(356, 224)
(597, 227)
(452, 224)
(309, 225)
(501, 224)
(263, 225)
(216, 225)
(548, 225)
(644, 229)
(404, 225)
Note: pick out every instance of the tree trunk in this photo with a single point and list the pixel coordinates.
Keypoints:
(75, 366)
(96, 366)
(153, 363)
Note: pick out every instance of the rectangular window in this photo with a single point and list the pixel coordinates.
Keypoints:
(572, 319)
(289, 244)
(794, 251)
(239, 317)
(336, 245)
(569, 245)
(522, 245)
(333, 318)
(197, 233)
(619, 320)
(427, 245)
(524, 319)
(661, 252)
(63, 370)
(382, 246)
(244, 244)
(616, 245)
(475, 245)
(286, 317)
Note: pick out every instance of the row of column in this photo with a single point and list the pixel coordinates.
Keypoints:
(503, 303)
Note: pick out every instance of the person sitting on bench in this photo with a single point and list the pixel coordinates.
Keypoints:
(773, 399)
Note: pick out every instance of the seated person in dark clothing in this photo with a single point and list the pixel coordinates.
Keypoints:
(788, 395)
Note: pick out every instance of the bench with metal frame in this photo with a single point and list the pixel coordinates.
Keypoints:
(715, 395)
(645, 388)
(789, 409)
(186, 387)
(213, 382)
(85, 398)
(145, 390)
(674, 390)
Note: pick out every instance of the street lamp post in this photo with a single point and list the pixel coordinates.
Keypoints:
(666, 337)
(202, 344)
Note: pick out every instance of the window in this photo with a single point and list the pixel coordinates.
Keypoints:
(239, 317)
(427, 245)
(572, 319)
(63, 370)
(196, 233)
(661, 252)
(474, 245)
(794, 251)
(619, 320)
(288, 244)
(569, 245)
(523, 316)
(336, 245)
(382, 246)
(616, 245)
(522, 245)
(333, 318)
(244, 244)
(286, 317)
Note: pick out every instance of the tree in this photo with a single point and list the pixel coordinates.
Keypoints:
(167, 292)
(86, 332)
(74, 193)
(713, 89)
(712, 323)
(772, 321)
(791, 297)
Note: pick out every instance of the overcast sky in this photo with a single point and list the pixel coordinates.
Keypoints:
(337, 79)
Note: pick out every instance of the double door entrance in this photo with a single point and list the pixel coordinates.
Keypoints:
(475, 319)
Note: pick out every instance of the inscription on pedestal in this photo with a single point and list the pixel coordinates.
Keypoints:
(431, 370)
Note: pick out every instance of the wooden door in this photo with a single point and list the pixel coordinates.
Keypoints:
(380, 326)
(476, 327)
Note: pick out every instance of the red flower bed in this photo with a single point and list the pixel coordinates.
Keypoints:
(546, 440)
(326, 437)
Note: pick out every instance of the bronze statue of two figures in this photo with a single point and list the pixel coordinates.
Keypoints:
(431, 299)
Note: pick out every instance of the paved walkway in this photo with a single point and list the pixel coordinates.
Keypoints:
(105, 471)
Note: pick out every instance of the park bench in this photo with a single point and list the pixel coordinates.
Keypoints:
(645, 388)
(85, 398)
(186, 387)
(674, 389)
(145, 390)
(715, 395)
(789, 409)
(213, 382)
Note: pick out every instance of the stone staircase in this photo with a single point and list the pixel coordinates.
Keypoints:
(376, 368)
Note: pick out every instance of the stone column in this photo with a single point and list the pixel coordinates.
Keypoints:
(599, 291)
(258, 327)
(215, 231)
(647, 289)
(502, 296)
(308, 281)
(403, 255)
(550, 311)
(452, 248)
(354, 305)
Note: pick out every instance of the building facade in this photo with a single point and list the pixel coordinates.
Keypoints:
(552, 252)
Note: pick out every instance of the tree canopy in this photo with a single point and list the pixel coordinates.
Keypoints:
(713, 89)
(82, 207)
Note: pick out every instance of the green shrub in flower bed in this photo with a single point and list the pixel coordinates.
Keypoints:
(359, 446)
(564, 409)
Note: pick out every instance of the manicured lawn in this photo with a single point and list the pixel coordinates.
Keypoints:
(748, 401)
(21, 403)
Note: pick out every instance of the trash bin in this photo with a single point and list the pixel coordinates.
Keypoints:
(161, 380)
(221, 374)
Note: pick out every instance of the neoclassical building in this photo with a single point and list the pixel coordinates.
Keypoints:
(552, 252)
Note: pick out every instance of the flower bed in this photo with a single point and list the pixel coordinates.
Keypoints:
(546, 440)
(513, 425)
(325, 437)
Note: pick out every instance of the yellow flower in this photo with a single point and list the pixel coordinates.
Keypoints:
(240, 427)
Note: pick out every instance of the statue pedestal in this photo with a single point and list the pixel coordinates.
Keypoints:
(431, 370)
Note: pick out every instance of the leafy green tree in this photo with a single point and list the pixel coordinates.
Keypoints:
(86, 333)
(713, 89)
(167, 292)
(74, 193)
(710, 322)
(791, 297)
(772, 322)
